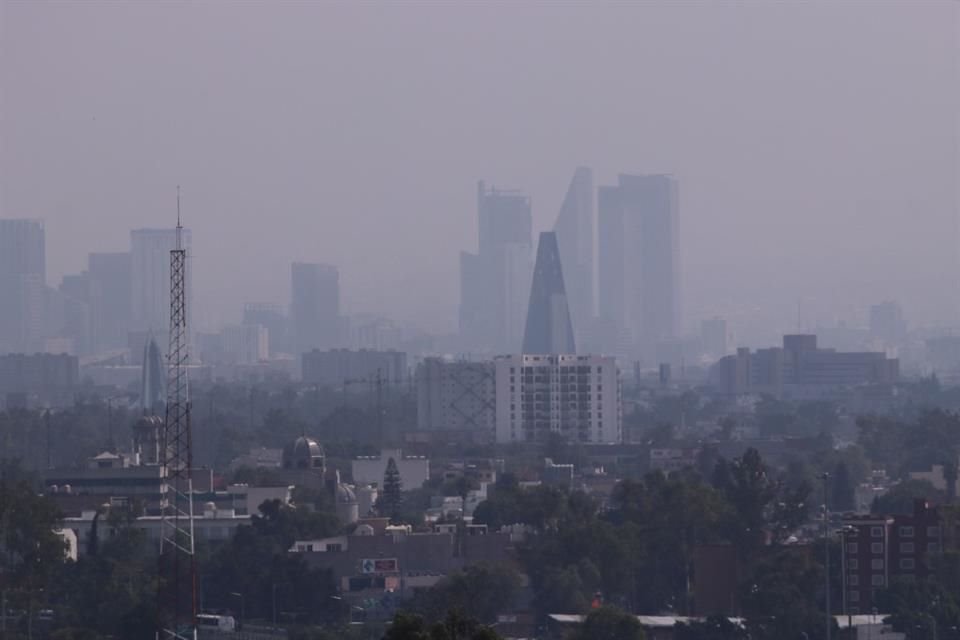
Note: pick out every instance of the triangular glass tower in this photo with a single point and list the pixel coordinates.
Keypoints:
(549, 329)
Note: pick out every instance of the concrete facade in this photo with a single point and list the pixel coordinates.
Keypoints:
(578, 397)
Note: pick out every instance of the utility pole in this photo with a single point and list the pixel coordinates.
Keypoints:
(826, 548)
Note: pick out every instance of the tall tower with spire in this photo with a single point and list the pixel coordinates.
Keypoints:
(177, 610)
(548, 330)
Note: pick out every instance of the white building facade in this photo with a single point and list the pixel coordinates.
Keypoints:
(576, 396)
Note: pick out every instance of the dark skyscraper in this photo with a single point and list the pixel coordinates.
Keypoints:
(548, 316)
(639, 270)
(23, 278)
(150, 278)
(611, 265)
(574, 229)
(494, 282)
(110, 299)
(315, 306)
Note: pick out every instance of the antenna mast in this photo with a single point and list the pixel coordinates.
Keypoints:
(177, 610)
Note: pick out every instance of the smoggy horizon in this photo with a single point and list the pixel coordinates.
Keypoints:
(814, 146)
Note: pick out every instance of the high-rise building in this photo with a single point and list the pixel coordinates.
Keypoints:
(548, 317)
(887, 324)
(456, 396)
(23, 278)
(639, 268)
(150, 278)
(495, 281)
(315, 306)
(245, 343)
(69, 314)
(714, 337)
(576, 397)
(611, 263)
(574, 229)
(110, 299)
(274, 320)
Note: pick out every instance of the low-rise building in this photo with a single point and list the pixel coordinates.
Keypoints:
(210, 525)
(39, 379)
(338, 367)
(399, 562)
(880, 549)
(369, 470)
(801, 370)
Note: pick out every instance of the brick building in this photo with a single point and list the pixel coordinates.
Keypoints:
(880, 549)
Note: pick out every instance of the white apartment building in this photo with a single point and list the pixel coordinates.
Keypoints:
(577, 396)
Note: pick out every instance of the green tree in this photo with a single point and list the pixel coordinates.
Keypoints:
(779, 597)
(479, 592)
(609, 623)
(114, 590)
(923, 609)
(30, 550)
(899, 499)
(454, 626)
(256, 563)
(392, 490)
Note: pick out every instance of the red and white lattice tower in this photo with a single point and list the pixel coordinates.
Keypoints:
(177, 602)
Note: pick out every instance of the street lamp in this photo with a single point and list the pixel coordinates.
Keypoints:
(243, 607)
(826, 547)
(273, 601)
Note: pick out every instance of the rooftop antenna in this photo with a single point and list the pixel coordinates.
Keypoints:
(179, 225)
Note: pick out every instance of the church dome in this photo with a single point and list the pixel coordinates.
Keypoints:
(303, 453)
(346, 494)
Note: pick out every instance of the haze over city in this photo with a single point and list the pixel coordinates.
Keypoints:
(815, 144)
(526, 320)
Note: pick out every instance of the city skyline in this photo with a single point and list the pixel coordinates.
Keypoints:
(655, 91)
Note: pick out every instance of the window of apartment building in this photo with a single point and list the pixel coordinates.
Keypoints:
(933, 547)
(906, 532)
(876, 547)
(852, 547)
(877, 580)
(933, 532)
(335, 547)
(877, 564)
(853, 580)
(908, 564)
(853, 564)
(906, 547)
(876, 532)
(853, 596)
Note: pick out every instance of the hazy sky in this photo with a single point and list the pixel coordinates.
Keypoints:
(815, 143)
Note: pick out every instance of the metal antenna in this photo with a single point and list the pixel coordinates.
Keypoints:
(179, 225)
(177, 585)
